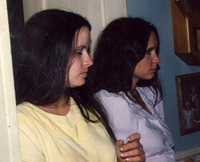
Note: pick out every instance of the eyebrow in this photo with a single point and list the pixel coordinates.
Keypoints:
(151, 48)
(82, 46)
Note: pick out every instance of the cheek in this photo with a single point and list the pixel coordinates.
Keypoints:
(138, 72)
(67, 78)
(146, 62)
(69, 75)
(74, 67)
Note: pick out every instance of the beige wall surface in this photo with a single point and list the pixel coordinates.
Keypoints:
(98, 12)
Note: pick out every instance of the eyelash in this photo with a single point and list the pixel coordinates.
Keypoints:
(79, 51)
(148, 52)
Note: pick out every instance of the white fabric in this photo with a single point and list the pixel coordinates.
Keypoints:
(126, 118)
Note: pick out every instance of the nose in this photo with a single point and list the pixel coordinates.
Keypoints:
(156, 59)
(87, 61)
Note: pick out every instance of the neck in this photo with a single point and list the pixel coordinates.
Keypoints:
(139, 100)
(134, 83)
(60, 107)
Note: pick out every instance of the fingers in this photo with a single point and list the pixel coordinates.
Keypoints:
(133, 155)
(133, 137)
(133, 159)
(133, 143)
(131, 151)
(119, 143)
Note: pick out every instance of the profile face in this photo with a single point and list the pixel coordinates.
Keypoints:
(81, 59)
(146, 68)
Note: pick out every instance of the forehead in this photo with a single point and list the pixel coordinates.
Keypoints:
(153, 41)
(83, 37)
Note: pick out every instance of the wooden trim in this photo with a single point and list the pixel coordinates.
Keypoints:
(185, 20)
(179, 156)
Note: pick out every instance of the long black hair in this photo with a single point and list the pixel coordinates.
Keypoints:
(43, 59)
(120, 46)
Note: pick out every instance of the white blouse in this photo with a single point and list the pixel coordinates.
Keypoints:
(127, 117)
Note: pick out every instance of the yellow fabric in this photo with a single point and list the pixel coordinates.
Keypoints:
(45, 137)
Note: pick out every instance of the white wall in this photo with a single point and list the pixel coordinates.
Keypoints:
(9, 144)
(98, 12)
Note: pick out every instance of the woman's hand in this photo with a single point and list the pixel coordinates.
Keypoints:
(131, 151)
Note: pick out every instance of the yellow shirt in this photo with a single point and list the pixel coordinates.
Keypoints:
(45, 137)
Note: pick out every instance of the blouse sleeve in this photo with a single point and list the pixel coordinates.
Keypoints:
(29, 144)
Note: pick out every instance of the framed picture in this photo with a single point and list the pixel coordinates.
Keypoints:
(188, 94)
(197, 39)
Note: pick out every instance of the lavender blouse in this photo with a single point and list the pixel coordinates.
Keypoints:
(126, 118)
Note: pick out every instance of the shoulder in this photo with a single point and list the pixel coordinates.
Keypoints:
(149, 92)
(24, 110)
(104, 95)
(108, 99)
(24, 118)
(27, 124)
(28, 116)
(29, 142)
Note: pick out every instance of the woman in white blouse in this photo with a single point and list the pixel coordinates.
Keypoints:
(124, 76)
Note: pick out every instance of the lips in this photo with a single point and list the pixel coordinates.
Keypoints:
(153, 70)
(84, 73)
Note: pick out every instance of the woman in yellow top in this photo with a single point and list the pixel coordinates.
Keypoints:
(57, 120)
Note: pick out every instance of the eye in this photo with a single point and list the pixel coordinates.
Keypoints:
(79, 50)
(148, 52)
(88, 50)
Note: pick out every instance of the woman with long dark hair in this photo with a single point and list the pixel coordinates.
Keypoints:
(125, 81)
(57, 120)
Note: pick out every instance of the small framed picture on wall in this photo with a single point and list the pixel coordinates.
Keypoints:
(188, 96)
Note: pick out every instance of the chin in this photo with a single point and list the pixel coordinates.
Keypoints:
(149, 77)
(81, 84)
(77, 85)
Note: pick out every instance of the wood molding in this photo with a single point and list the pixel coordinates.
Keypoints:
(185, 21)
(179, 156)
